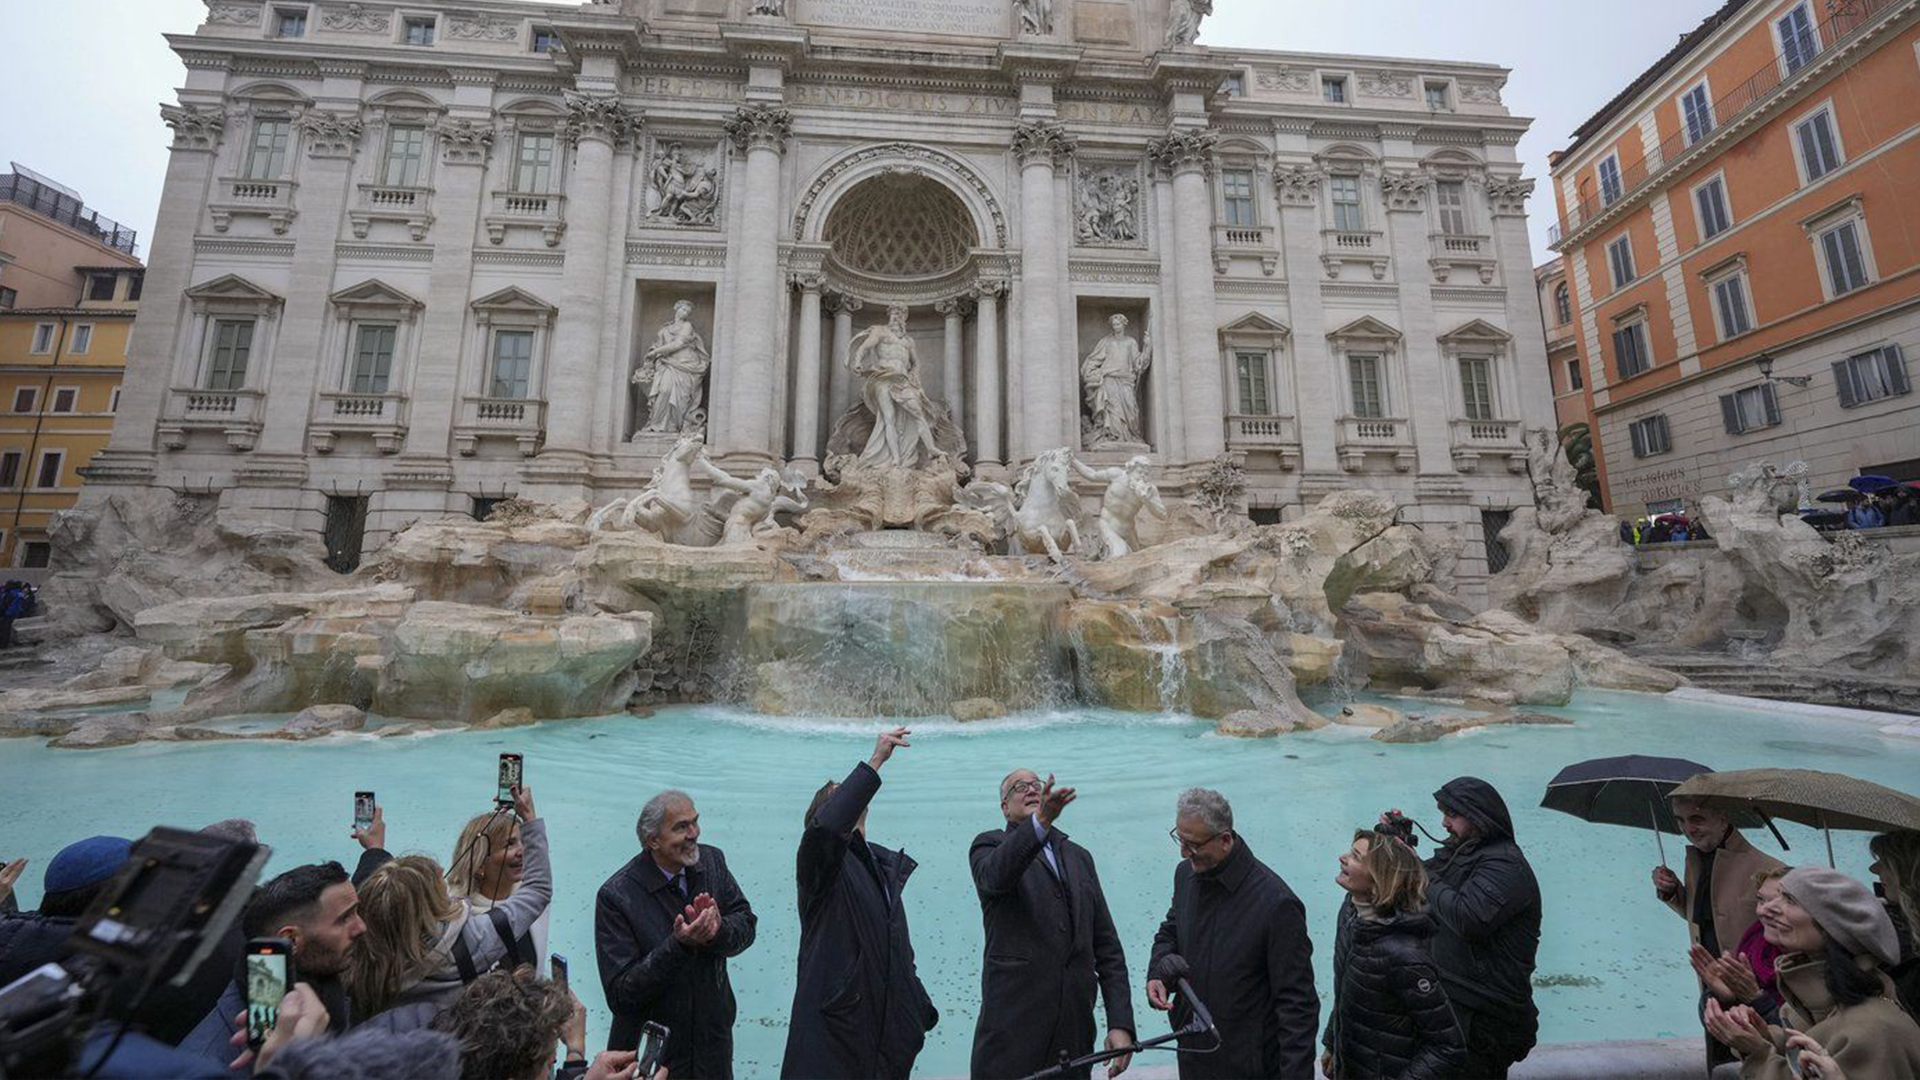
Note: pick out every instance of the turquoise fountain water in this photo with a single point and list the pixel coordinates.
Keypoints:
(1612, 961)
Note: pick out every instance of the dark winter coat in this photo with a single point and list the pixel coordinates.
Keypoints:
(29, 939)
(1485, 904)
(1243, 934)
(1390, 1014)
(649, 975)
(859, 1010)
(1050, 945)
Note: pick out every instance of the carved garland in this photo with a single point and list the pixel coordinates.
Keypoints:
(907, 152)
(356, 19)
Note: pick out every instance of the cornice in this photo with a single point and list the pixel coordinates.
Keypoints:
(1033, 62)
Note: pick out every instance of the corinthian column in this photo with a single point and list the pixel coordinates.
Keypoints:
(806, 392)
(595, 125)
(761, 131)
(986, 374)
(1039, 147)
(955, 312)
(839, 379)
(1188, 158)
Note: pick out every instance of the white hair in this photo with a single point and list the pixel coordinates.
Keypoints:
(654, 814)
(1208, 805)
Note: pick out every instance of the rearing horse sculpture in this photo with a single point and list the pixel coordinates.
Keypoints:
(1044, 519)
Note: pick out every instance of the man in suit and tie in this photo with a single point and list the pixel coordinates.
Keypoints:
(1051, 945)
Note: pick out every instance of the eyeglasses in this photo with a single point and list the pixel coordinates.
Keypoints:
(1187, 847)
(1023, 787)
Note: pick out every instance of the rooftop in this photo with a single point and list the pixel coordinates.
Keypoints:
(58, 204)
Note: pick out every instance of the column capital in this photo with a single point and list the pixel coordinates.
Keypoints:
(600, 116)
(808, 282)
(986, 289)
(954, 307)
(1298, 185)
(1508, 195)
(194, 128)
(757, 127)
(840, 302)
(330, 135)
(1184, 150)
(465, 142)
(1042, 142)
(1404, 191)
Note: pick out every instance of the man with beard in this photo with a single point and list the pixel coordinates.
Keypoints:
(316, 908)
(664, 926)
(1050, 940)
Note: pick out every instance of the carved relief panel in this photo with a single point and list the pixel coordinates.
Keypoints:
(681, 186)
(1108, 208)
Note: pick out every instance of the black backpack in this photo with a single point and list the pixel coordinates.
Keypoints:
(520, 950)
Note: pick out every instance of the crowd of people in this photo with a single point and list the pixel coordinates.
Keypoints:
(1894, 506)
(1664, 529)
(407, 967)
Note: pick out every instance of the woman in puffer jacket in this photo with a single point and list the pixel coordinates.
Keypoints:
(1390, 1014)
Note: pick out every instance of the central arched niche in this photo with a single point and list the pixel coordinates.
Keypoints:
(900, 225)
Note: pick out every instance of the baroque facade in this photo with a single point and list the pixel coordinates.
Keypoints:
(413, 259)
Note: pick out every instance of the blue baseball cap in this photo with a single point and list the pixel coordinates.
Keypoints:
(86, 862)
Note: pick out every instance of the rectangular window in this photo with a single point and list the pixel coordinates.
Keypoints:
(545, 41)
(1819, 150)
(1234, 85)
(82, 340)
(1798, 45)
(1451, 197)
(8, 298)
(1574, 379)
(1348, 213)
(26, 399)
(1369, 395)
(1476, 387)
(417, 31)
(290, 24)
(1620, 261)
(134, 286)
(1334, 90)
(1697, 112)
(406, 151)
(533, 173)
(512, 364)
(1610, 189)
(232, 345)
(100, 286)
(1750, 409)
(372, 359)
(48, 474)
(1650, 436)
(1710, 199)
(267, 154)
(1630, 356)
(65, 399)
(36, 554)
(1236, 186)
(113, 402)
(1437, 96)
(1846, 266)
(10, 469)
(1730, 304)
(43, 338)
(1871, 376)
(1251, 370)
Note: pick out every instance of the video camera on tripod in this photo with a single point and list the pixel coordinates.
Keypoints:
(166, 910)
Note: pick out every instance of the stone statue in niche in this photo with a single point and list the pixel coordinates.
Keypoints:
(903, 416)
(1128, 492)
(1110, 381)
(1036, 16)
(1183, 21)
(683, 191)
(674, 371)
(1108, 211)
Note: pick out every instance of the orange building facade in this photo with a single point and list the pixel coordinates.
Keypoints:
(1736, 230)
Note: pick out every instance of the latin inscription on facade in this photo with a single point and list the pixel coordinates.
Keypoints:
(678, 86)
(974, 18)
(919, 101)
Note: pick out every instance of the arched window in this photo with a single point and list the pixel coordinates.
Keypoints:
(1562, 305)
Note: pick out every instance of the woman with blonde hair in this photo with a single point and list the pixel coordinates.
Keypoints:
(423, 944)
(489, 861)
(1390, 1014)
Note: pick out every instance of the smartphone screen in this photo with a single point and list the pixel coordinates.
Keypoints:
(266, 985)
(559, 967)
(363, 809)
(509, 778)
(653, 1039)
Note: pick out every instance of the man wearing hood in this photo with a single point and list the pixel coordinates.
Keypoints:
(1238, 934)
(1483, 896)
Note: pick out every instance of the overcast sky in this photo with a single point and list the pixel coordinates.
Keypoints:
(83, 78)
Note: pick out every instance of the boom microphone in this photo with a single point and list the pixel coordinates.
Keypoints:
(1202, 1019)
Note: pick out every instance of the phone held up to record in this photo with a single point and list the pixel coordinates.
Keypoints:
(269, 976)
(510, 768)
(362, 810)
(559, 969)
(653, 1039)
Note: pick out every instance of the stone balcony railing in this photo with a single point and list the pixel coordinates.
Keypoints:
(236, 414)
(1253, 241)
(410, 206)
(1366, 246)
(523, 420)
(1474, 439)
(1359, 436)
(382, 416)
(270, 199)
(518, 209)
(1274, 434)
(1450, 250)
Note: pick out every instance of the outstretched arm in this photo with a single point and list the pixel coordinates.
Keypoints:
(1091, 473)
(723, 478)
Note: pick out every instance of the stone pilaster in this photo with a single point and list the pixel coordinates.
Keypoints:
(806, 391)
(1507, 204)
(839, 379)
(1425, 399)
(955, 311)
(1040, 147)
(1170, 428)
(459, 186)
(1188, 156)
(761, 132)
(986, 373)
(1315, 386)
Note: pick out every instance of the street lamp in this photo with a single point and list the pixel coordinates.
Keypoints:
(1765, 363)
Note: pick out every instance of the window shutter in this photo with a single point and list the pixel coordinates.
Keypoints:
(1730, 413)
(1843, 381)
(1666, 437)
(1896, 369)
(1772, 403)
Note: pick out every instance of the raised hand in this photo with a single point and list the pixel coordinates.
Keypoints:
(1053, 800)
(9, 875)
(1736, 973)
(374, 836)
(884, 746)
(523, 802)
(1707, 967)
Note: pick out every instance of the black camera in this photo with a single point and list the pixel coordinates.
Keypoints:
(1399, 826)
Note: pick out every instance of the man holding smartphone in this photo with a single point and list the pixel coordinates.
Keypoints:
(664, 926)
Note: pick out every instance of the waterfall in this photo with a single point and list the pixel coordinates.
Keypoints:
(1339, 684)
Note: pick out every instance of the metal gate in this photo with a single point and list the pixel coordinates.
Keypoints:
(346, 529)
(1491, 522)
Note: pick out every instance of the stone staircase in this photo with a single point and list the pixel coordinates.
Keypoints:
(1730, 674)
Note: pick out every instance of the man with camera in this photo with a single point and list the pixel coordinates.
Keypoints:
(1238, 935)
(1050, 940)
(664, 926)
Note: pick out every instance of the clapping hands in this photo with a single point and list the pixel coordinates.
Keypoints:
(698, 922)
(1729, 977)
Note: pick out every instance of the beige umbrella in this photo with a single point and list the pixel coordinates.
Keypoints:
(1825, 800)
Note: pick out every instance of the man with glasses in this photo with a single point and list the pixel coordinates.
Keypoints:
(1238, 934)
(1050, 940)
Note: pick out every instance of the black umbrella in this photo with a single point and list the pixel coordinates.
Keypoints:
(1632, 791)
(1840, 495)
